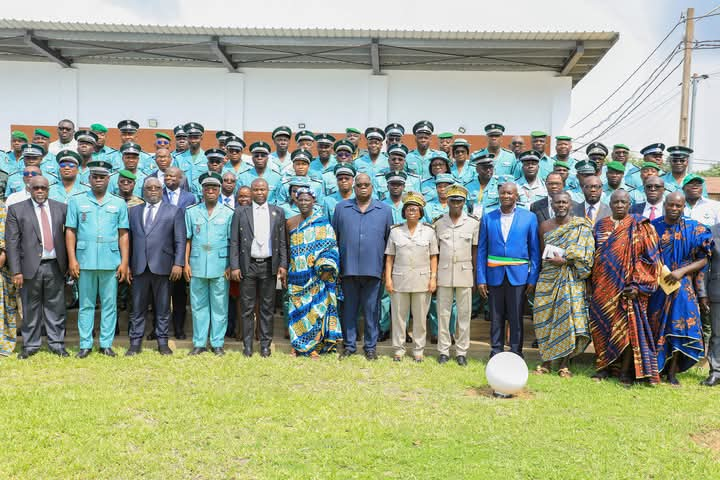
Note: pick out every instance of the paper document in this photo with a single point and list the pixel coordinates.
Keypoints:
(667, 287)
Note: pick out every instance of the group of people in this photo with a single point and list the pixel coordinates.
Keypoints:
(601, 251)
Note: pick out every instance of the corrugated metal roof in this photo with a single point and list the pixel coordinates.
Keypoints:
(569, 53)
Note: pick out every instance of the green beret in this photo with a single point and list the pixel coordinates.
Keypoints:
(538, 134)
(127, 174)
(650, 165)
(445, 135)
(565, 138)
(162, 135)
(621, 146)
(97, 127)
(617, 166)
(20, 135)
(691, 177)
(560, 163)
(352, 130)
(42, 133)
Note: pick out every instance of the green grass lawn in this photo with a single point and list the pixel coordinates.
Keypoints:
(232, 417)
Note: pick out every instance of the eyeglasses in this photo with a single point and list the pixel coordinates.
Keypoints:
(67, 164)
(343, 154)
(39, 187)
(593, 187)
(31, 174)
(153, 188)
(162, 142)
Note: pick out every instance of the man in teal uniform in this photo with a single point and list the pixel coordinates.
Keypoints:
(181, 143)
(352, 135)
(215, 162)
(396, 163)
(162, 140)
(483, 190)
(86, 148)
(393, 134)
(69, 183)
(221, 136)
(280, 158)
(439, 164)
(262, 168)
(207, 265)
(597, 152)
(193, 161)
(621, 153)
(47, 164)
(130, 153)
(538, 141)
(101, 151)
(583, 169)
(305, 140)
(613, 181)
(301, 165)
(678, 158)
(571, 182)
(505, 162)
(652, 153)
(324, 163)
(445, 143)
(31, 157)
(418, 160)
(97, 241)
(344, 175)
(11, 159)
(461, 168)
(374, 160)
(530, 186)
(234, 163)
(128, 134)
(563, 147)
(344, 151)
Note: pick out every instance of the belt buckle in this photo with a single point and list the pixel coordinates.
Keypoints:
(206, 247)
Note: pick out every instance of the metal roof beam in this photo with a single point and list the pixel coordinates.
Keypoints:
(222, 55)
(375, 56)
(41, 47)
(574, 58)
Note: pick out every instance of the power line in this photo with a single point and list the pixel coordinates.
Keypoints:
(630, 76)
(634, 119)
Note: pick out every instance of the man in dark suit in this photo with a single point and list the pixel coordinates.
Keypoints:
(157, 235)
(258, 258)
(592, 207)
(163, 160)
(710, 304)
(654, 193)
(35, 240)
(174, 194)
(554, 183)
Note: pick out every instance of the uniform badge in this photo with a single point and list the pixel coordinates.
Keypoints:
(197, 229)
(83, 217)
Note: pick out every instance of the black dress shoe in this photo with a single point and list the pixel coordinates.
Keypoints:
(133, 350)
(443, 359)
(60, 352)
(25, 354)
(534, 344)
(152, 336)
(346, 354)
(182, 336)
(164, 350)
(265, 352)
(408, 338)
(711, 381)
(433, 339)
(384, 336)
(197, 351)
(461, 360)
(371, 355)
(218, 351)
(107, 352)
(83, 352)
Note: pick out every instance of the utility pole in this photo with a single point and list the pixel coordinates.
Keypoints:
(687, 61)
(695, 79)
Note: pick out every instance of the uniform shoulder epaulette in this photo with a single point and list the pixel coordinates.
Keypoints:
(228, 207)
(80, 193)
(436, 219)
(509, 151)
(116, 196)
(193, 206)
(474, 217)
(397, 225)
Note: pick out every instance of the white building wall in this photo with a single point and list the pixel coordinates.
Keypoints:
(261, 99)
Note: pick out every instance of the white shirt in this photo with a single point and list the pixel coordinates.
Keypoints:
(658, 210)
(56, 146)
(229, 201)
(17, 197)
(36, 206)
(260, 247)
(705, 211)
(161, 176)
(155, 209)
(506, 220)
(174, 197)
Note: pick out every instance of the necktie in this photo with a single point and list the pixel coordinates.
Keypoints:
(149, 217)
(590, 211)
(48, 244)
(171, 194)
(227, 200)
(652, 212)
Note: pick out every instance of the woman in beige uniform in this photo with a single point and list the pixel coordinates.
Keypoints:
(411, 274)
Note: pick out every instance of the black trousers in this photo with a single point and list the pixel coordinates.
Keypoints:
(506, 303)
(258, 283)
(179, 305)
(43, 297)
(148, 287)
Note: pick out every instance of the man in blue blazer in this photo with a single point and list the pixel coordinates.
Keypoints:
(157, 235)
(174, 194)
(508, 266)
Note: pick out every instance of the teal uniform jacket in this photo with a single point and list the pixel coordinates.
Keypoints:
(528, 194)
(210, 239)
(545, 167)
(412, 183)
(115, 158)
(59, 194)
(137, 190)
(485, 201)
(272, 177)
(317, 169)
(96, 226)
(332, 200)
(504, 163)
(283, 192)
(364, 164)
(396, 210)
(420, 164)
(467, 175)
(281, 165)
(632, 175)
(8, 164)
(105, 154)
(192, 167)
(607, 192)
(428, 189)
(672, 185)
(15, 181)
(242, 168)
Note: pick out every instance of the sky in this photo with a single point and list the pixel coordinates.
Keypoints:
(642, 24)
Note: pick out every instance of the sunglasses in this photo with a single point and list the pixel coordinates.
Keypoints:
(162, 142)
(39, 187)
(67, 164)
(343, 154)
(31, 174)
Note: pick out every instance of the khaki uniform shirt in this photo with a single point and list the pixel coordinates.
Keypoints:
(411, 268)
(456, 242)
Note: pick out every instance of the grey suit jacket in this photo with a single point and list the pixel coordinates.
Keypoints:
(163, 245)
(603, 211)
(23, 237)
(542, 212)
(713, 288)
(242, 234)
